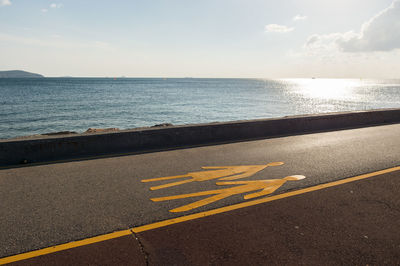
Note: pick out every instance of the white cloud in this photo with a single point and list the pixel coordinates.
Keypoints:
(326, 42)
(54, 5)
(5, 3)
(380, 33)
(299, 17)
(277, 28)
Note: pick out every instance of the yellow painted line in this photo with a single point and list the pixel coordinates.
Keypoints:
(189, 217)
(70, 245)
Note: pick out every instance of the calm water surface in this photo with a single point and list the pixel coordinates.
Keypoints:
(35, 106)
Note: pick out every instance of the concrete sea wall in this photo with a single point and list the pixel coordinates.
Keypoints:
(51, 148)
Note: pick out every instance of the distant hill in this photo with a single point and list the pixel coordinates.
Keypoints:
(19, 74)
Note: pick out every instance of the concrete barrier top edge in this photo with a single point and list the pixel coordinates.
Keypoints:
(77, 136)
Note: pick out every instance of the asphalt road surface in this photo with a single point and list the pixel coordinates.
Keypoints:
(47, 205)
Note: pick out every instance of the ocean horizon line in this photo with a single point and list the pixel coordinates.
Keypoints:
(243, 78)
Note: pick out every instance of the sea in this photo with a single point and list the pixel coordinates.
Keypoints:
(30, 106)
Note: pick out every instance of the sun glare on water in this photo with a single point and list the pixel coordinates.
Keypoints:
(327, 89)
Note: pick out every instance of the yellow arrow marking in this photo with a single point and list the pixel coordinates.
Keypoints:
(220, 172)
(267, 186)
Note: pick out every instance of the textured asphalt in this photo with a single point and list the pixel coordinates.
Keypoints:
(118, 251)
(52, 204)
(351, 224)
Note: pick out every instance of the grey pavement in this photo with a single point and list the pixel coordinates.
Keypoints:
(51, 204)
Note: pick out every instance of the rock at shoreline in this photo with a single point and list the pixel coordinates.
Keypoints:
(96, 130)
(60, 133)
(163, 125)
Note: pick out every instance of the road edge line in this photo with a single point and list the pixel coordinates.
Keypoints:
(70, 245)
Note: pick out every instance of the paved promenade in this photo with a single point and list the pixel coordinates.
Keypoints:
(325, 198)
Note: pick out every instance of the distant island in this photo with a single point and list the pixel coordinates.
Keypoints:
(19, 74)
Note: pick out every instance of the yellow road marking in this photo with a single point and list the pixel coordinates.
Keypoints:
(70, 245)
(217, 172)
(259, 201)
(267, 186)
(188, 217)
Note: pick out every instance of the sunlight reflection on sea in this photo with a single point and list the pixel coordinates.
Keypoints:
(34, 106)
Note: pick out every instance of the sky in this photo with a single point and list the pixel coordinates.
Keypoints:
(208, 38)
